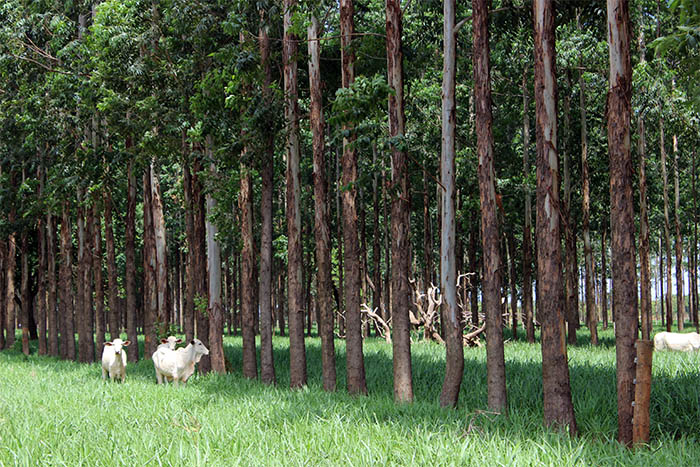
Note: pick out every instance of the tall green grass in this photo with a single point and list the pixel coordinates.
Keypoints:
(61, 413)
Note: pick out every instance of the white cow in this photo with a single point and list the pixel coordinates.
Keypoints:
(169, 343)
(178, 365)
(677, 341)
(114, 359)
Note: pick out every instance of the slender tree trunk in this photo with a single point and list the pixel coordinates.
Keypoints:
(200, 265)
(112, 286)
(490, 236)
(130, 264)
(26, 305)
(52, 316)
(667, 226)
(215, 311)
(250, 366)
(400, 221)
(321, 219)
(527, 229)
(353, 336)
(162, 312)
(41, 274)
(377, 234)
(66, 291)
(297, 349)
(267, 366)
(86, 344)
(150, 281)
(474, 269)
(558, 407)
(190, 284)
(97, 268)
(591, 320)
(427, 231)
(604, 277)
(341, 268)
(661, 282)
(513, 288)
(645, 272)
(694, 250)
(3, 263)
(621, 209)
(680, 299)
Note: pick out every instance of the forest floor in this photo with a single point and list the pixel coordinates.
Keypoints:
(61, 413)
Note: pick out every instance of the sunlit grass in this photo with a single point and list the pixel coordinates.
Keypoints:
(61, 413)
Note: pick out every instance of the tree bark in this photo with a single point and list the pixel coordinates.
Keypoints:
(215, 311)
(667, 226)
(26, 305)
(356, 382)
(297, 349)
(86, 344)
(474, 269)
(604, 277)
(267, 366)
(490, 229)
(41, 272)
(513, 289)
(97, 271)
(527, 228)
(621, 209)
(558, 407)
(150, 282)
(162, 311)
(188, 318)
(52, 316)
(66, 292)
(250, 368)
(694, 250)
(114, 318)
(321, 219)
(680, 301)
(130, 257)
(400, 211)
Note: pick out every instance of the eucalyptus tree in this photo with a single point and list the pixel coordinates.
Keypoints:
(558, 406)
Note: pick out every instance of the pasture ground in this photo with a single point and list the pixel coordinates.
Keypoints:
(54, 412)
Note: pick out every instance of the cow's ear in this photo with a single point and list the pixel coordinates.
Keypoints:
(126, 344)
(164, 341)
(179, 341)
(108, 343)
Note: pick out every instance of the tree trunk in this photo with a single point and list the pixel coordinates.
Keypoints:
(250, 366)
(41, 273)
(200, 265)
(66, 291)
(162, 311)
(86, 344)
(490, 230)
(188, 312)
(130, 257)
(427, 232)
(356, 382)
(621, 209)
(150, 282)
(377, 235)
(3, 262)
(321, 219)
(400, 211)
(114, 318)
(513, 289)
(558, 407)
(97, 269)
(297, 349)
(267, 366)
(645, 271)
(661, 281)
(474, 269)
(26, 305)
(341, 268)
(52, 316)
(527, 228)
(591, 320)
(694, 250)
(10, 266)
(667, 227)
(215, 311)
(680, 300)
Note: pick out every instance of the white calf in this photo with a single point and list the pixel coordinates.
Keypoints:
(677, 341)
(178, 365)
(114, 359)
(169, 343)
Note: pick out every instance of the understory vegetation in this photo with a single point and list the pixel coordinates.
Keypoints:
(55, 412)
